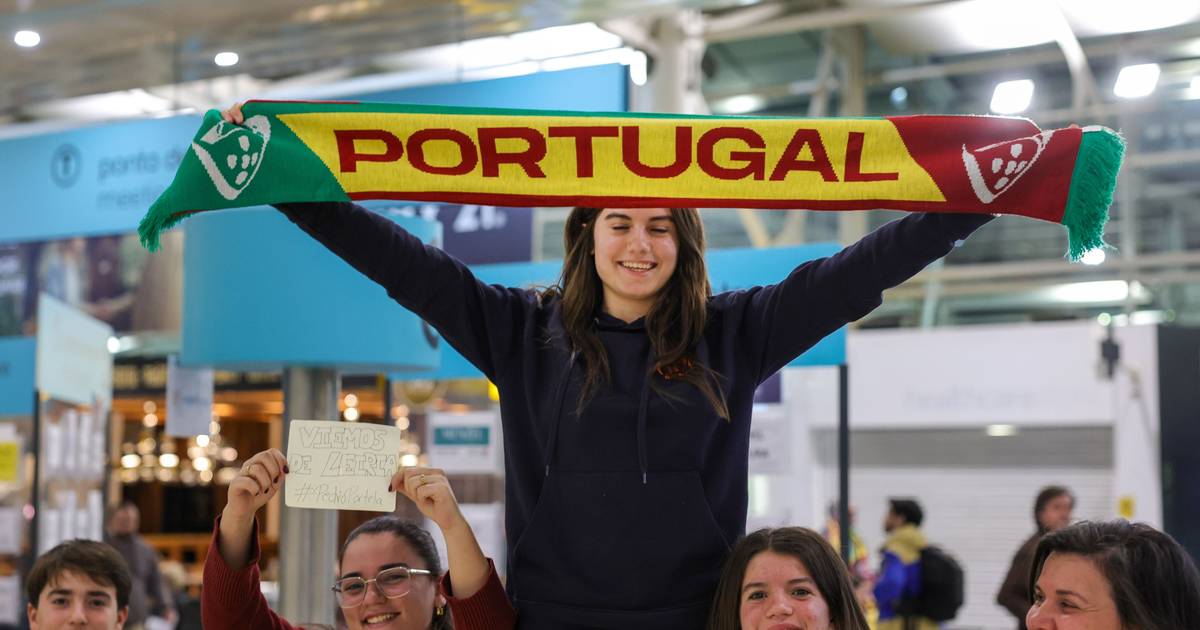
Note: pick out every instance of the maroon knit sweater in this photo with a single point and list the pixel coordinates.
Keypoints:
(234, 599)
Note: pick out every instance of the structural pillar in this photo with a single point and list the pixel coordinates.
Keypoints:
(675, 74)
(308, 539)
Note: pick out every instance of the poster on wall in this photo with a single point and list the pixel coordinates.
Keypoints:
(74, 383)
(465, 443)
(73, 361)
(189, 399)
(111, 278)
(770, 441)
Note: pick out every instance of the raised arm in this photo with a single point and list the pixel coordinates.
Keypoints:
(481, 321)
(232, 596)
(471, 585)
(781, 321)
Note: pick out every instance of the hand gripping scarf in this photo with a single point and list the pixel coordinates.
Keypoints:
(310, 151)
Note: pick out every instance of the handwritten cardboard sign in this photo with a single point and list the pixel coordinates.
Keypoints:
(341, 465)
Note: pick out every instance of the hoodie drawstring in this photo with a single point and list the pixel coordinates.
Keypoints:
(643, 408)
(559, 397)
(643, 412)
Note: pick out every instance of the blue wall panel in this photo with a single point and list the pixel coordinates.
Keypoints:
(17, 356)
(259, 294)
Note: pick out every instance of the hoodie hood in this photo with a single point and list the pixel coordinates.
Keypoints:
(906, 542)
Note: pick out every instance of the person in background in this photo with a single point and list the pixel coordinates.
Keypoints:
(1051, 511)
(900, 570)
(1112, 575)
(78, 584)
(149, 596)
(860, 565)
(785, 578)
(389, 570)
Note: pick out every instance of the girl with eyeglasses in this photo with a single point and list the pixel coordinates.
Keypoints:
(389, 576)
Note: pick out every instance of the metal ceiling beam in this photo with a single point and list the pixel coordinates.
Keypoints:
(817, 20)
(1000, 60)
(993, 287)
(1083, 84)
(1062, 269)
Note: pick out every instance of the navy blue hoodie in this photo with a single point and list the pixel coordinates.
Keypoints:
(621, 517)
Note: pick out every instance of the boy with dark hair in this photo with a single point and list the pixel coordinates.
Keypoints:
(78, 584)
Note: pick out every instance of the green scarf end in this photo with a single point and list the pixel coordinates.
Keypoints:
(154, 224)
(1091, 193)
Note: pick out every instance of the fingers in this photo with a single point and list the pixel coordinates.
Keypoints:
(243, 484)
(407, 480)
(233, 114)
(279, 459)
(262, 473)
(433, 491)
(267, 462)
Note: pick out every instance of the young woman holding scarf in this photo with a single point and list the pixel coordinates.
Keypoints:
(626, 390)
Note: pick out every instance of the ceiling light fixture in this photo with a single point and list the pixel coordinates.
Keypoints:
(226, 59)
(1001, 430)
(742, 104)
(27, 39)
(1137, 80)
(1012, 97)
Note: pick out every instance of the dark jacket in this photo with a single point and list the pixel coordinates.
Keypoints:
(620, 517)
(1014, 594)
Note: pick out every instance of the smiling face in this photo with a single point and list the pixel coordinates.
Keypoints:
(1072, 594)
(636, 250)
(73, 600)
(365, 557)
(778, 593)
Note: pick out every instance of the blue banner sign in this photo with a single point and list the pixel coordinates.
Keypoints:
(462, 436)
(260, 294)
(17, 376)
(475, 235)
(101, 179)
(94, 180)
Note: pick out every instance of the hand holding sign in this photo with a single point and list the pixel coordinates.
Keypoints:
(429, 489)
(257, 482)
(341, 465)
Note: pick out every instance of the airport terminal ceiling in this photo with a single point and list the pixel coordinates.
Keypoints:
(101, 60)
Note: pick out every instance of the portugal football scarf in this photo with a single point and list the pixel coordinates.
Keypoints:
(304, 151)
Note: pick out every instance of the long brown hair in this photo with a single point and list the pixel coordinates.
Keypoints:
(674, 324)
(830, 574)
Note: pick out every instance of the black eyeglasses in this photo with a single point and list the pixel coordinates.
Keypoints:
(392, 583)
